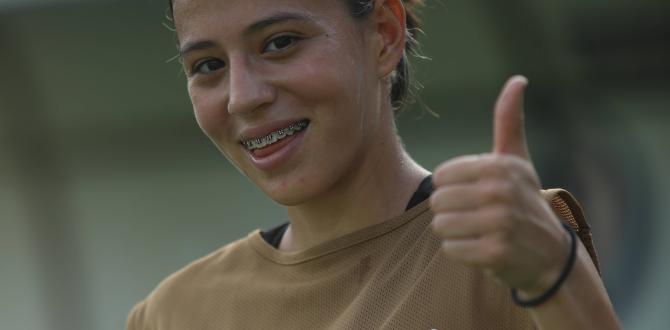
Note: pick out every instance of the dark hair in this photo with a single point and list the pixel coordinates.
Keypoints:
(402, 82)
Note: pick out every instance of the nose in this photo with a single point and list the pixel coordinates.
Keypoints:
(248, 89)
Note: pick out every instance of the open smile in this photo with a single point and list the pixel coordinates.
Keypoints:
(275, 136)
(274, 149)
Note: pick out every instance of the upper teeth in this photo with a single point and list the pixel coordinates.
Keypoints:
(275, 136)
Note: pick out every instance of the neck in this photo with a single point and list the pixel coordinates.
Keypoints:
(378, 191)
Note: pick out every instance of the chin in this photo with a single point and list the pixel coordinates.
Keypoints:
(292, 190)
(288, 196)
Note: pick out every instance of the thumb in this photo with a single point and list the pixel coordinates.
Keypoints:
(509, 135)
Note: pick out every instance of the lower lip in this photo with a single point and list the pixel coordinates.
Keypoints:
(273, 156)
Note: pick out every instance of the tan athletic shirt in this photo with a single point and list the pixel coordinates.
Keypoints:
(387, 276)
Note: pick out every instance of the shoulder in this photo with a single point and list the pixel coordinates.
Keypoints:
(186, 286)
(568, 210)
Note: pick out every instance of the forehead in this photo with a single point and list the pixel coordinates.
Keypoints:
(199, 18)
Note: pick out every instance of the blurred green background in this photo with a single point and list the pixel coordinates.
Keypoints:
(107, 185)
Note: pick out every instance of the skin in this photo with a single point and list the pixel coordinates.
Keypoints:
(335, 75)
(490, 214)
(488, 210)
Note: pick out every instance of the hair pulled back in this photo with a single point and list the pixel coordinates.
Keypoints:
(401, 79)
(400, 88)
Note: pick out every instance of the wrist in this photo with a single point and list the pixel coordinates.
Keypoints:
(549, 284)
(552, 271)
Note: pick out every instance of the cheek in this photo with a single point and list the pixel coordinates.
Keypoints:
(315, 81)
(215, 121)
(210, 117)
(328, 82)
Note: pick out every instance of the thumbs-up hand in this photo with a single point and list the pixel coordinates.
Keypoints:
(489, 211)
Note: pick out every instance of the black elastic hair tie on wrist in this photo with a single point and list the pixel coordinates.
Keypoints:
(557, 285)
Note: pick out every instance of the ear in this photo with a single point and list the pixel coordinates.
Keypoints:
(389, 20)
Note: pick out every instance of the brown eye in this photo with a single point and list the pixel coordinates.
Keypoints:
(280, 43)
(207, 66)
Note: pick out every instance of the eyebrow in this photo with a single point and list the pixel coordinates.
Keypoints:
(253, 28)
(196, 45)
(276, 19)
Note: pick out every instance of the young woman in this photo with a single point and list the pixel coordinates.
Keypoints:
(300, 96)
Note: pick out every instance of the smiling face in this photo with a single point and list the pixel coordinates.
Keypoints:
(291, 91)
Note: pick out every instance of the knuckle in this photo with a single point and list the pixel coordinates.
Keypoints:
(447, 250)
(439, 223)
(436, 199)
(440, 174)
(515, 166)
(523, 170)
(514, 162)
(444, 168)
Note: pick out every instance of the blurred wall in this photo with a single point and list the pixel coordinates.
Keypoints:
(107, 185)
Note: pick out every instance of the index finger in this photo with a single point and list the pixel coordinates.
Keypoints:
(472, 168)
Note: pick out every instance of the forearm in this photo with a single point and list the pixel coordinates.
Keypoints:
(581, 303)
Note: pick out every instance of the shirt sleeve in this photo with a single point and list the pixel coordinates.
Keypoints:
(568, 209)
